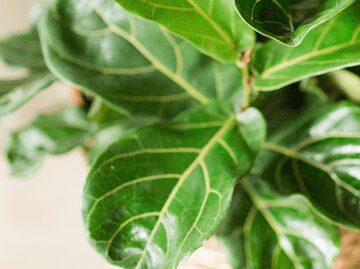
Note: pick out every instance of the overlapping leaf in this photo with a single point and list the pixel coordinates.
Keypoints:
(213, 26)
(131, 63)
(265, 230)
(318, 155)
(157, 194)
(48, 134)
(289, 21)
(276, 66)
(22, 50)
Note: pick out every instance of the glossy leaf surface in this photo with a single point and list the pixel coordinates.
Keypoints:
(157, 194)
(265, 230)
(276, 66)
(318, 155)
(22, 50)
(48, 134)
(142, 68)
(289, 21)
(213, 26)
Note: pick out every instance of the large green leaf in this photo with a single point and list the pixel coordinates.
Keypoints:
(334, 45)
(22, 50)
(318, 155)
(129, 62)
(47, 134)
(289, 21)
(158, 193)
(213, 26)
(265, 230)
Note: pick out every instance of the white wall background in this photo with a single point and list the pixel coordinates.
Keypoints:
(40, 220)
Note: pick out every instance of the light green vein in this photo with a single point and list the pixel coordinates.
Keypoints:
(153, 60)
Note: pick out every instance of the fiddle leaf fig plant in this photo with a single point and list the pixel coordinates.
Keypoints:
(197, 125)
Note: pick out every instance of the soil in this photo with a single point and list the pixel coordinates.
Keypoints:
(349, 257)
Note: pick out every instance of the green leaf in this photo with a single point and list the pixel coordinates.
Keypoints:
(158, 193)
(322, 51)
(265, 230)
(22, 50)
(15, 93)
(318, 155)
(289, 21)
(213, 26)
(142, 68)
(48, 134)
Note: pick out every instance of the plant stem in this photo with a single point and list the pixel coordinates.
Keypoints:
(247, 88)
(243, 64)
(279, 149)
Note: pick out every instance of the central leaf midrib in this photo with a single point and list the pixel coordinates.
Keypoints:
(195, 93)
(218, 135)
(213, 23)
(303, 58)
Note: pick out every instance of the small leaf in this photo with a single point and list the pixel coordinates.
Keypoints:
(48, 134)
(142, 68)
(289, 21)
(15, 93)
(213, 26)
(276, 66)
(158, 193)
(22, 50)
(265, 230)
(318, 155)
